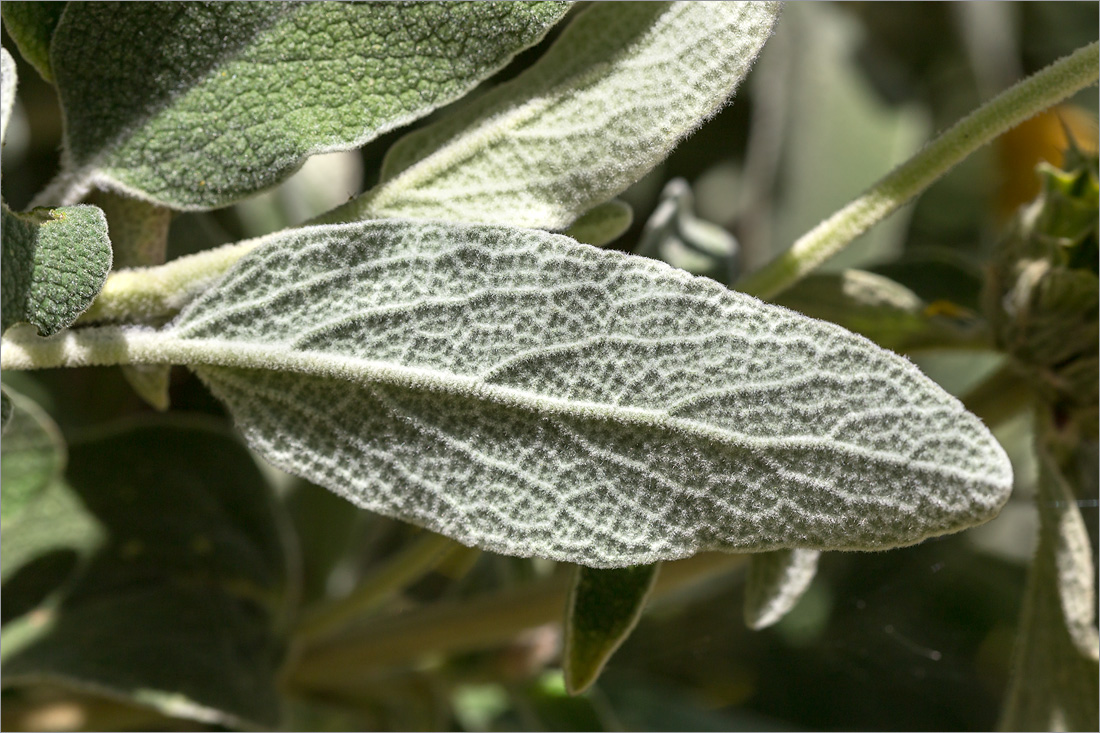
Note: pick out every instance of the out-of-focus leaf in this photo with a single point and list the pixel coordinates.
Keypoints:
(1055, 673)
(179, 608)
(937, 275)
(775, 582)
(198, 105)
(884, 311)
(32, 454)
(674, 234)
(324, 525)
(603, 224)
(604, 607)
(31, 26)
(621, 86)
(8, 81)
(54, 263)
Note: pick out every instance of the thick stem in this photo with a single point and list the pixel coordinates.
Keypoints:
(1022, 101)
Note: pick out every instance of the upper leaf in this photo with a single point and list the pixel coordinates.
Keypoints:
(55, 262)
(515, 390)
(206, 103)
(617, 91)
(31, 25)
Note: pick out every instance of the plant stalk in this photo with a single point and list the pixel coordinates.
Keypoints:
(1025, 99)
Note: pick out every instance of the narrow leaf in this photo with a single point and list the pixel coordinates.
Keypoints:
(775, 582)
(603, 224)
(54, 263)
(177, 608)
(514, 390)
(604, 607)
(31, 26)
(8, 81)
(617, 91)
(1055, 673)
(207, 103)
(32, 454)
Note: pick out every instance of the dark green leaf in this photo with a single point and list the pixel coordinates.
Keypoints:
(31, 26)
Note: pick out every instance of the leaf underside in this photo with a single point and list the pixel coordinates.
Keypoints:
(517, 391)
(207, 103)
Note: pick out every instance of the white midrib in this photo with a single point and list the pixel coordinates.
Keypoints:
(110, 346)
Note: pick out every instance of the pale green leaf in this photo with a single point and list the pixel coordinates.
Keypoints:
(675, 235)
(32, 454)
(31, 26)
(514, 390)
(54, 263)
(207, 103)
(1056, 671)
(775, 582)
(8, 81)
(178, 606)
(622, 85)
(604, 607)
(603, 224)
(150, 382)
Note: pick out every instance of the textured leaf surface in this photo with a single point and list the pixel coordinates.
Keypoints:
(54, 263)
(1055, 674)
(517, 391)
(775, 582)
(32, 454)
(31, 26)
(207, 103)
(177, 608)
(8, 80)
(604, 607)
(619, 88)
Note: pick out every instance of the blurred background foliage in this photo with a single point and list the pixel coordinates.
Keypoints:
(913, 639)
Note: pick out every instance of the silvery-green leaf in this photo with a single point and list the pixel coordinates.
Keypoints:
(31, 26)
(775, 582)
(603, 224)
(54, 263)
(675, 235)
(207, 103)
(621, 86)
(604, 607)
(517, 391)
(8, 81)
(32, 454)
(1055, 673)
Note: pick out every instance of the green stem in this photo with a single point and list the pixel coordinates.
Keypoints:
(1043, 89)
(485, 621)
(421, 556)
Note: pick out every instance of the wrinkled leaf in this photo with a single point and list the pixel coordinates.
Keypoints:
(54, 263)
(775, 582)
(31, 26)
(1055, 674)
(603, 224)
(32, 454)
(514, 390)
(622, 85)
(8, 81)
(178, 607)
(884, 311)
(207, 103)
(604, 607)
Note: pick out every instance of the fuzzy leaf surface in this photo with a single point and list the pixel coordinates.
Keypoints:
(622, 85)
(604, 607)
(55, 262)
(178, 604)
(8, 80)
(517, 391)
(207, 103)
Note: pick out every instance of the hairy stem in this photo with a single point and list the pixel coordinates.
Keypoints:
(1016, 104)
(422, 555)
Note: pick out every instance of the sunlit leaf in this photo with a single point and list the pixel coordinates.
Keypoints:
(775, 582)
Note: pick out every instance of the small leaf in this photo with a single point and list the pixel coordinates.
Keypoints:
(604, 607)
(603, 224)
(178, 607)
(621, 86)
(150, 382)
(520, 392)
(55, 262)
(8, 81)
(1056, 670)
(31, 26)
(207, 103)
(32, 454)
(775, 582)
(675, 235)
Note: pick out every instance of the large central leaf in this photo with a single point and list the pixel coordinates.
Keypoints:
(515, 390)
